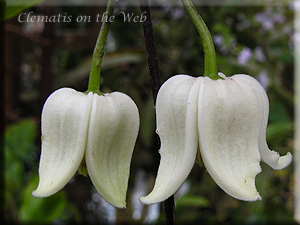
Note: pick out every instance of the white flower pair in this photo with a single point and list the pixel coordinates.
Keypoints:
(225, 119)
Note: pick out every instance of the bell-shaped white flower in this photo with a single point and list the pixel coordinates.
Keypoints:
(226, 120)
(101, 129)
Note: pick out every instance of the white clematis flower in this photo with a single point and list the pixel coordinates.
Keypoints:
(227, 119)
(101, 129)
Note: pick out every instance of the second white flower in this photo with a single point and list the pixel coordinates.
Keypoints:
(226, 120)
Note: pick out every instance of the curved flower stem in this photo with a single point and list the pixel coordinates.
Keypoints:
(94, 77)
(210, 60)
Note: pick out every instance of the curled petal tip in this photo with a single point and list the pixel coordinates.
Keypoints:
(272, 158)
(284, 161)
(278, 162)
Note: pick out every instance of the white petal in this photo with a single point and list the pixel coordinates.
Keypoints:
(272, 158)
(229, 116)
(65, 119)
(176, 111)
(113, 128)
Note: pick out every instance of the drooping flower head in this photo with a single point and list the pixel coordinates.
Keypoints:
(99, 129)
(226, 119)
(92, 132)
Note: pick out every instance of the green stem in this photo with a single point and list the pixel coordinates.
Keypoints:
(210, 60)
(94, 78)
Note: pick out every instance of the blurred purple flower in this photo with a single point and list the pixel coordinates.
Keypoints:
(244, 56)
(263, 79)
(259, 54)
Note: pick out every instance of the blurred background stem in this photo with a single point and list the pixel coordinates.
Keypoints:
(155, 83)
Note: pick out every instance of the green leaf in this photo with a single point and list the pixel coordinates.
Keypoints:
(19, 149)
(14, 7)
(44, 210)
(20, 141)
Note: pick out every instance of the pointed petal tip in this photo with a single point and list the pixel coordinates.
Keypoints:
(246, 197)
(47, 187)
(243, 193)
(38, 193)
(157, 196)
(35, 194)
(120, 204)
(253, 198)
(114, 198)
(147, 200)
